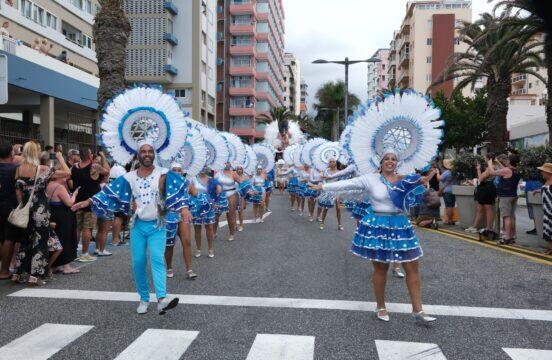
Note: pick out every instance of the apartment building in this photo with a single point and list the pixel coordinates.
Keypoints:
(173, 44)
(50, 97)
(421, 49)
(377, 73)
(292, 79)
(251, 64)
(304, 96)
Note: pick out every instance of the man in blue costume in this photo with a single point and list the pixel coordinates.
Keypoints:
(150, 192)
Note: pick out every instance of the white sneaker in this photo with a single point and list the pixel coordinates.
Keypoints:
(240, 228)
(231, 238)
(104, 253)
(142, 307)
(421, 317)
(166, 304)
(86, 258)
(96, 252)
(472, 230)
(197, 253)
(398, 273)
(211, 254)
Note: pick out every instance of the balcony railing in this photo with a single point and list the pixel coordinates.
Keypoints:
(520, 92)
(519, 78)
(241, 104)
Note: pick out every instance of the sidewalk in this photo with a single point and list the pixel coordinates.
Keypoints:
(523, 241)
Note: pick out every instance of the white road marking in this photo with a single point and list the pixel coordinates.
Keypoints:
(403, 350)
(282, 347)
(348, 305)
(159, 344)
(248, 221)
(528, 354)
(42, 342)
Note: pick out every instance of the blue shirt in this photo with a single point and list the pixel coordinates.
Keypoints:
(446, 181)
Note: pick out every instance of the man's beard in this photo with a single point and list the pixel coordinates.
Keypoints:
(143, 163)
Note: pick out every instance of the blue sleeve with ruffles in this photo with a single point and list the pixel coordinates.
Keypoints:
(114, 197)
(176, 192)
(407, 193)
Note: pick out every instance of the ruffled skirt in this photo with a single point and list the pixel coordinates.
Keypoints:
(361, 209)
(301, 189)
(257, 198)
(386, 238)
(292, 186)
(221, 204)
(326, 200)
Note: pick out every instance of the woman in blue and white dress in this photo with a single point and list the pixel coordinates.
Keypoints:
(203, 211)
(269, 187)
(328, 201)
(258, 199)
(315, 178)
(228, 180)
(245, 188)
(303, 177)
(385, 235)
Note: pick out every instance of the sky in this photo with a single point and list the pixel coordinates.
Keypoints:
(332, 30)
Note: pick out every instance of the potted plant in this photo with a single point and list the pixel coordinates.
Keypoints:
(464, 171)
(529, 160)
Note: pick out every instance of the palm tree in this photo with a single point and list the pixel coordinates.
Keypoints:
(280, 114)
(111, 31)
(495, 64)
(331, 96)
(536, 18)
(308, 124)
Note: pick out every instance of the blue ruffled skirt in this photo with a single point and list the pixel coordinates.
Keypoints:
(361, 209)
(292, 186)
(221, 204)
(310, 193)
(172, 219)
(326, 201)
(301, 189)
(269, 185)
(386, 238)
(203, 210)
(258, 198)
(349, 204)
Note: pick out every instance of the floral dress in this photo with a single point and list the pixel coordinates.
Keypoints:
(32, 258)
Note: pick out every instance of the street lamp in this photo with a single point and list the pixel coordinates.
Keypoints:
(347, 62)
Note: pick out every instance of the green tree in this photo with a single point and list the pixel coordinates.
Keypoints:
(496, 65)
(331, 106)
(536, 17)
(464, 119)
(308, 124)
(111, 31)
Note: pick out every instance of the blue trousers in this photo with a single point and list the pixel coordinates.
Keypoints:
(143, 236)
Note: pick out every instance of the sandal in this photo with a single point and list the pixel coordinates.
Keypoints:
(33, 282)
(71, 272)
(506, 241)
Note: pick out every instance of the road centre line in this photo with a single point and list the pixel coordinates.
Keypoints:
(314, 304)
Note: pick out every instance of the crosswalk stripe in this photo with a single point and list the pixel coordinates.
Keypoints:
(528, 354)
(42, 342)
(403, 350)
(248, 221)
(320, 304)
(159, 344)
(282, 347)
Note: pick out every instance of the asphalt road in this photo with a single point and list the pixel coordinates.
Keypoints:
(487, 301)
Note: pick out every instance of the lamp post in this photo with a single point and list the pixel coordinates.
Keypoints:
(346, 63)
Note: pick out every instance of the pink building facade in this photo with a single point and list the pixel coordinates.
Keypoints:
(377, 73)
(251, 64)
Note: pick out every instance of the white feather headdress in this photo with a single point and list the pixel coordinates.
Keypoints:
(250, 162)
(217, 148)
(324, 153)
(408, 122)
(140, 113)
(236, 148)
(265, 156)
(288, 154)
(309, 148)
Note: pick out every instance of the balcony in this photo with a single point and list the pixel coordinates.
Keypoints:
(239, 111)
(405, 29)
(243, 49)
(404, 59)
(170, 69)
(238, 89)
(261, 36)
(243, 9)
(522, 91)
(519, 79)
(242, 29)
(170, 7)
(404, 80)
(171, 39)
(242, 71)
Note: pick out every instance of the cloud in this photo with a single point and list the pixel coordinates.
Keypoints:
(332, 30)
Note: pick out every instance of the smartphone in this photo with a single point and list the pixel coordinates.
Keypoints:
(52, 156)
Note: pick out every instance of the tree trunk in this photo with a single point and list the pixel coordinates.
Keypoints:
(497, 112)
(548, 62)
(111, 32)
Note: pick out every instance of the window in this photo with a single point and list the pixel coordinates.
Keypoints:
(180, 93)
(88, 6)
(456, 41)
(86, 41)
(203, 67)
(458, 23)
(26, 8)
(204, 38)
(428, 60)
(210, 73)
(240, 122)
(77, 3)
(530, 85)
(429, 41)
(51, 21)
(170, 26)
(428, 77)
(241, 61)
(430, 23)
(211, 45)
(383, 66)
